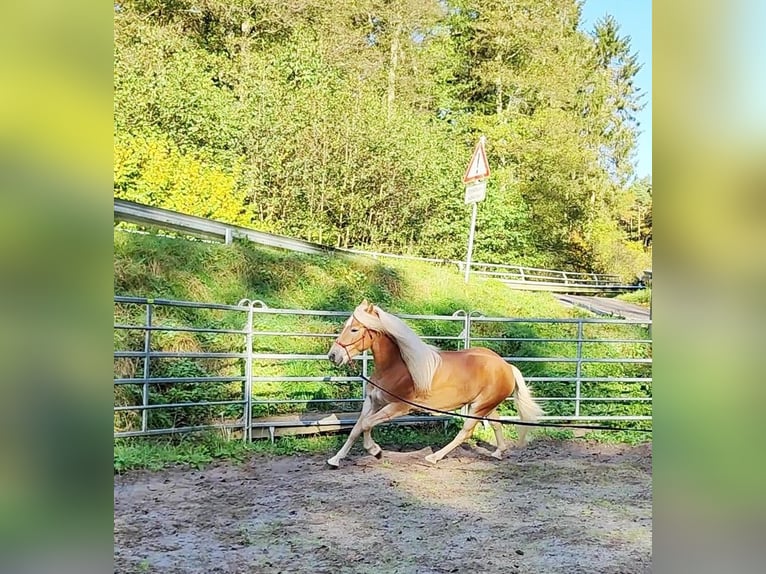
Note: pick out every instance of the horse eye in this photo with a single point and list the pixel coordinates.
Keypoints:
(354, 329)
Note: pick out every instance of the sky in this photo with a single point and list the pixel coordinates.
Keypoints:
(635, 20)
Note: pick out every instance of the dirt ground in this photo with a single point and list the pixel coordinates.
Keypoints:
(556, 506)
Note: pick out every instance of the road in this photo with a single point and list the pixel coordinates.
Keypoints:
(606, 306)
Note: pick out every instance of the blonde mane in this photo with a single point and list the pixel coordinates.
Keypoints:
(421, 359)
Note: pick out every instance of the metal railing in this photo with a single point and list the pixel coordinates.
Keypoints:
(517, 276)
(248, 363)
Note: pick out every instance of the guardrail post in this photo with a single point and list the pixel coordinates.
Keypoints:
(147, 358)
(247, 431)
(579, 367)
(228, 236)
(521, 273)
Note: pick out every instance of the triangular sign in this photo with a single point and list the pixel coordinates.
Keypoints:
(478, 167)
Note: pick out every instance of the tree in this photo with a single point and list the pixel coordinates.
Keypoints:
(352, 126)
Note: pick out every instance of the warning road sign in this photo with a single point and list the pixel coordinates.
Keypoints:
(478, 167)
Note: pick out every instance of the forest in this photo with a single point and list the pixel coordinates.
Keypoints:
(350, 123)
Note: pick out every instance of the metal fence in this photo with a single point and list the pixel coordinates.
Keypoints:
(252, 369)
(516, 276)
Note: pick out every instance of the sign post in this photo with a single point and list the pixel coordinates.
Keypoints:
(470, 243)
(475, 191)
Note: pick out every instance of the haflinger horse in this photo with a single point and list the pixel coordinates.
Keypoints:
(422, 374)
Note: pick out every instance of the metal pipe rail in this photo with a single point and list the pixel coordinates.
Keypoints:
(132, 212)
(513, 275)
(257, 361)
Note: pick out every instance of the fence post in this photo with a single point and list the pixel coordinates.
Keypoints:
(467, 331)
(466, 345)
(147, 351)
(365, 358)
(579, 367)
(247, 432)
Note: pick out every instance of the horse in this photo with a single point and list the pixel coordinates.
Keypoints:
(420, 373)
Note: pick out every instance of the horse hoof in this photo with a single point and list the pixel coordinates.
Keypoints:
(376, 451)
(333, 464)
(498, 455)
(432, 459)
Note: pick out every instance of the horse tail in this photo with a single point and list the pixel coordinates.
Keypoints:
(528, 409)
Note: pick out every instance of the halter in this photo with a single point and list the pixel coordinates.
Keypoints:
(364, 334)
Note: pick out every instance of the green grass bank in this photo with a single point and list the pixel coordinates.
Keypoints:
(170, 268)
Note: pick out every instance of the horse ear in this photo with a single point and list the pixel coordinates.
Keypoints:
(371, 308)
(365, 304)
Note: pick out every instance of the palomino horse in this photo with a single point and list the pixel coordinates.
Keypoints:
(420, 373)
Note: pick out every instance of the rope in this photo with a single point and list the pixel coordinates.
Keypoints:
(501, 421)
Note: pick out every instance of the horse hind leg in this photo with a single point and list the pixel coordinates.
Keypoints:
(464, 433)
(502, 446)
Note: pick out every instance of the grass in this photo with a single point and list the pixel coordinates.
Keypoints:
(201, 450)
(163, 267)
(641, 297)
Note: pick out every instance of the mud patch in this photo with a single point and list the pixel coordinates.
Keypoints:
(556, 506)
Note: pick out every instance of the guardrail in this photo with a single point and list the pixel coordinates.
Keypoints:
(256, 370)
(132, 212)
(516, 276)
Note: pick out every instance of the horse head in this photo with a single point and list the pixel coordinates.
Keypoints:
(355, 338)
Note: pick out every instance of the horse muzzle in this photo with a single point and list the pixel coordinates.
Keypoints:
(337, 355)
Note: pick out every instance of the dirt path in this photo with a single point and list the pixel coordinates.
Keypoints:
(556, 506)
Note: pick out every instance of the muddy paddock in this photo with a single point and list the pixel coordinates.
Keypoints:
(557, 506)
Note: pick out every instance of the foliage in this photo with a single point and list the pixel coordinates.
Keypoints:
(640, 297)
(352, 126)
(152, 170)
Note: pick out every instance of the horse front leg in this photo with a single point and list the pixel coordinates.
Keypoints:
(370, 445)
(353, 435)
(366, 423)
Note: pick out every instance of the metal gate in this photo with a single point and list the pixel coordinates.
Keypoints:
(182, 366)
